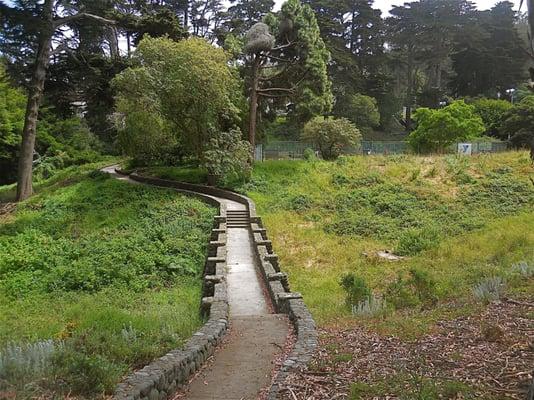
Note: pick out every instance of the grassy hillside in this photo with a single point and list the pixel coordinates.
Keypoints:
(457, 220)
(97, 277)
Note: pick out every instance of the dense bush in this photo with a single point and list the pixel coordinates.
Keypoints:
(228, 157)
(519, 124)
(437, 129)
(360, 109)
(356, 289)
(55, 243)
(59, 144)
(180, 98)
(493, 113)
(330, 135)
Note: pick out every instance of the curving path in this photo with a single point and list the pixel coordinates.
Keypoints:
(243, 366)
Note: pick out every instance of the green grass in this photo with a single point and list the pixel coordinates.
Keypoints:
(109, 271)
(458, 219)
(182, 174)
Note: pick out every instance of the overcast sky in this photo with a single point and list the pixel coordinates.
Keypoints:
(385, 5)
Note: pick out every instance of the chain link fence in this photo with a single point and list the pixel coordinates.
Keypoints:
(288, 150)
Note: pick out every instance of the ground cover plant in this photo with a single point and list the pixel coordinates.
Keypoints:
(97, 277)
(460, 228)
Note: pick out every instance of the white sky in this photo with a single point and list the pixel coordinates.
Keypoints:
(385, 5)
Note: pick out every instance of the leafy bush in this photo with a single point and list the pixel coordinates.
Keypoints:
(180, 97)
(414, 241)
(228, 157)
(493, 113)
(360, 109)
(418, 288)
(437, 129)
(355, 288)
(330, 135)
(55, 244)
(519, 124)
(489, 289)
(309, 154)
(84, 374)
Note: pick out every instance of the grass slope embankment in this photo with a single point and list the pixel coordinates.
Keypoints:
(458, 221)
(97, 277)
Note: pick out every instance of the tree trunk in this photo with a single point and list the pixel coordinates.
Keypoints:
(25, 166)
(254, 102)
(409, 95)
(113, 42)
(128, 44)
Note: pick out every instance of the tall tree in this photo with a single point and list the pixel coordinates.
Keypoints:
(290, 65)
(43, 20)
(489, 57)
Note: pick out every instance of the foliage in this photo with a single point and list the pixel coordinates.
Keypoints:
(360, 109)
(524, 269)
(492, 113)
(19, 362)
(436, 129)
(228, 157)
(356, 289)
(373, 306)
(489, 289)
(12, 108)
(519, 123)
(474, 214)
(60, 142)
(298, 60)
(258, 39)
(418, 288)
(330, 135)
(179, 97)
(88, 257)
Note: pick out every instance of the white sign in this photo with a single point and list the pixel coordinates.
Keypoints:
(465, 148)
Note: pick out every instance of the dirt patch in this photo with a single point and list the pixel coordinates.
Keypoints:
(490, 355)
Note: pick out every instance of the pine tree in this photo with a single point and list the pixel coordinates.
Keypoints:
(289, 65)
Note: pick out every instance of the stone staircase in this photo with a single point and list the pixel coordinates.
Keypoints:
(237, 219)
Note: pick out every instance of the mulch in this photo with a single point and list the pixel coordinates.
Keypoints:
(492, 352)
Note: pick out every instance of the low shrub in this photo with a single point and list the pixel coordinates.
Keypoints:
(489, 289)
(414, 241)
(371, 307)
(356, 289)
(418, 288)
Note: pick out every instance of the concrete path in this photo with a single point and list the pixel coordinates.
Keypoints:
(243, 365)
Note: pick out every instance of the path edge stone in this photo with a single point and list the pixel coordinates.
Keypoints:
(276, 282)
(161, 378)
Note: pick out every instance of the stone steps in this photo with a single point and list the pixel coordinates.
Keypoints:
(237, 219)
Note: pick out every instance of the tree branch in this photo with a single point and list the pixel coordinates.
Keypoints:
(275, 90)
(66, 20)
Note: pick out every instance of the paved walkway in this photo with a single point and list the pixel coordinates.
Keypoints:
(242, 367)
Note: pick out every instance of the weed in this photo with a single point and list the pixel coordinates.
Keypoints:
(371, 307)
(524, 269)
(414, 241)
(18, 361)
(489, 289)
(356, 289)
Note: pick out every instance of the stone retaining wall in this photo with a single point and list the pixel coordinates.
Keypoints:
(163, 377)
(275, 280)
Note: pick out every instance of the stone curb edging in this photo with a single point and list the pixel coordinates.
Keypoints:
(276, 281)
(163, 377)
